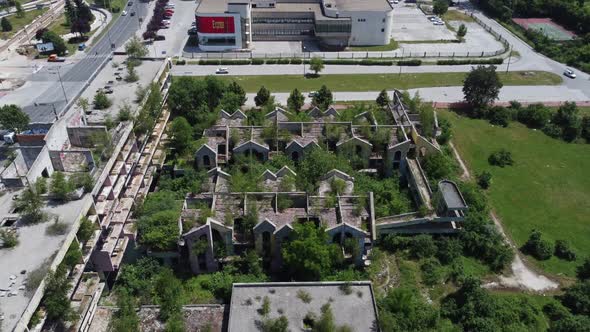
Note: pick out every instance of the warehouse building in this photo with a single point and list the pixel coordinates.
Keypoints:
(224, 25)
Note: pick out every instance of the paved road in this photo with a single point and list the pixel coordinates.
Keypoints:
(572, 89)
(74, 75)
(452, 94)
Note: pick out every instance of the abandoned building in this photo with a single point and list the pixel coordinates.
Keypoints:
(217, 222)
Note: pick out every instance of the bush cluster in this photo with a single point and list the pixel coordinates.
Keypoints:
(501, 158)
(492, 61)
(409, 62)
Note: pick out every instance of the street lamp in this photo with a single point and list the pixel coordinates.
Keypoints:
(304, 61)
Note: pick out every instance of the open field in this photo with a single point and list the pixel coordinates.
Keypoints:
(59, 26)
(547, 189)
(372, 82)
(20, 22)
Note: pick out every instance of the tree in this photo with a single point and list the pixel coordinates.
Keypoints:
(295, 100)
(537, 247)
(484, 179)
(82, 18)
(181, 134)
(323, 98)
(60, 188)
(569, 121)
(6, 25)
(29, 203)
(586, 128)
(577, 298)
(56, 300)
(307, 255)
(86, 230)
(135, 49)
(69, 13)
(583, 271)
(481, 87)
(59, 45)
(280, 324)
(125, 318)
(131, 73)
(13, 118)
(383, 98)
(169, 290)
(572, 323)
(501, 158)
(462, 31)
(19, 9)
(101, 101)
(237, 89)
(83, 104)
(316, 64)
(440, 7)
(564, 251)
(230, 102)
(403, 309)
(262, 97)
(422, 246)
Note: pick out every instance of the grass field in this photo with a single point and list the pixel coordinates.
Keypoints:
(377, 82)
(393, 45)
(453, 15)
(59, 26)
(547, 189)
(20, 22)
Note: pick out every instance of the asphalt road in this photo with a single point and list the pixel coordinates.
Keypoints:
(75, 75)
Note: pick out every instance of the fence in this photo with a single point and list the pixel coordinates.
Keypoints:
(340, 55)
(397, 54)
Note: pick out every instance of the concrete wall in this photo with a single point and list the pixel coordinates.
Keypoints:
(373, 29)
(81, 136)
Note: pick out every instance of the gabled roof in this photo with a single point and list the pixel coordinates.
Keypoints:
(331, 111)
(206, 146)
(337, 173)
(279, 113)
(265, 222)
(296, 142)
(346, 225)
(218, 171)
(284, 171)
(286, 228)
(315, 112)
(355, 138)
(249, 143)
(238, 114)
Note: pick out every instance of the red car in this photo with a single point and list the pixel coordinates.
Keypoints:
(169, 11)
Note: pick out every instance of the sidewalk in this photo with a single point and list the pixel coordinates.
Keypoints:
(445, 96)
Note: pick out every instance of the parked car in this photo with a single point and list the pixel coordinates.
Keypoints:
(159, 37)
(312, 94)
(438, 23)
(55, 58)
(192, 31)
(124, 13)
(130, 3)
(170, 5)
(132, 14)
(81, 47)
(569, 73)
(221, 71)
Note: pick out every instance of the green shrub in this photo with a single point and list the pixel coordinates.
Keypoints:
(501, 158)
(296, 61)
(431, 273)
(257, 61)
(493, 61)
(271, 61)
(484, 179)
(564, 251)
(537, 247)
(409, 62)
(283, 61)
(209, 62)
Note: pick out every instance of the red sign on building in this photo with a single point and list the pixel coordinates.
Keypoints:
(215, 24)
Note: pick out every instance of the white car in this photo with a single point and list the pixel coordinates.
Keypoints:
(438, 23)
(170, 5)
(221, 71)
(569, 73)
(124, 13)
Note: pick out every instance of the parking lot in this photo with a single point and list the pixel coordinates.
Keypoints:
(410, 24)
(176, 35)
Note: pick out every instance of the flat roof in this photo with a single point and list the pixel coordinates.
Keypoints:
(353, 306)
(452, 195)
(362, 5)
(212, 6)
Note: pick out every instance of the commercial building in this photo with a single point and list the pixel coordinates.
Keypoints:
(232, 25)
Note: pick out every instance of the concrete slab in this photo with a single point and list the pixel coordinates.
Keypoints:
(276, 46)
(410, 24)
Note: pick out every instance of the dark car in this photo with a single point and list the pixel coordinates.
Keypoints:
(132, 14)
(130, 3)
(192, 31)
(159, 37)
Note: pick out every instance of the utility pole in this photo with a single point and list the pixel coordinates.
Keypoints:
(509, 58)
(62, 84)
(400, 67)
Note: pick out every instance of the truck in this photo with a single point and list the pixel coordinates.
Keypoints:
(55, 58)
